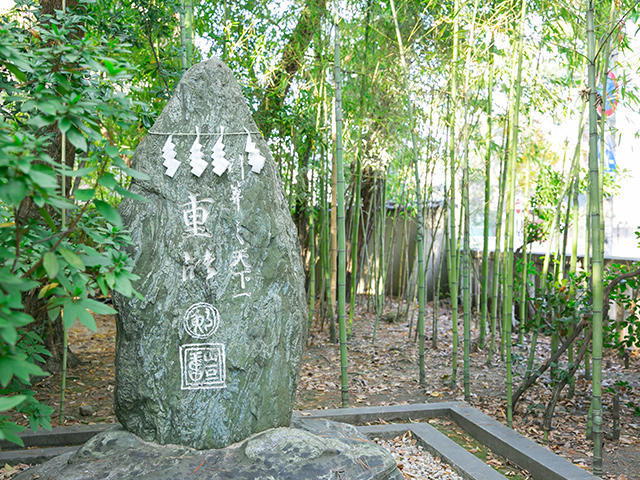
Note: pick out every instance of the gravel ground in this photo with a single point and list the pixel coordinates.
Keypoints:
(416, 463)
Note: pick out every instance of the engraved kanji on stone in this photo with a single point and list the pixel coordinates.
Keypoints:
(201, 320)
(189, 267)
(191, 263)
(240, 267)
(202, 366)
(236, 196)
(208, 264)
(238, 235)
(195, 215)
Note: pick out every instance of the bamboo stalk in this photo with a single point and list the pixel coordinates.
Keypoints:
(596, 245)
(63, 378)
(453, 248)
(510, 204)
(495, 284)
(573, 264)
(466, 247)
(340, 220)
(420, 214)
(357, 203)
(312, 261)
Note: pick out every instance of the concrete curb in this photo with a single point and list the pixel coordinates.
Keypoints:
(463, 462)
(361, 415)
(71, 435)
(31, 457)
(540, 462)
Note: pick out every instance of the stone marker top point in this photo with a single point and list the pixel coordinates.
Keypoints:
(212, 353)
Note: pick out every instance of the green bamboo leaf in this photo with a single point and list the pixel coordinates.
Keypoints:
(50, 263)
(11, 280)
(112, 151)
(47, 218)
(13, 364)
(7, 403)
(108, 180)
(9, 334)
(99, 307)
(60, 203)
(48, 107)
(71, 258)
(44, 179)
(80, 172)
(77, 139)
(111, 67)
(85, 194)
(64, 124)
(135, 173)
(79, 312)
(20, 319)
(13, 192)
(123, 286)
(126, 193)
(53, 314)
(108, 212)
(69, 314)
(8, 432)
(39, 121)
(16, 71)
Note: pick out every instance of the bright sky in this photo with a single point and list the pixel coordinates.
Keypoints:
(627, 120)
(621, 213)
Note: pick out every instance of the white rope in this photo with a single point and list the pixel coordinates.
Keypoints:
(212, 134)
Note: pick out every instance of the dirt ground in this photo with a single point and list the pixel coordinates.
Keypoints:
(386, 373)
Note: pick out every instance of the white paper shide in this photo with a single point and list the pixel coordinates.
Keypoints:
(255, 158)
(196, 160)
(219, 157)
(169, 155)
(218, 161)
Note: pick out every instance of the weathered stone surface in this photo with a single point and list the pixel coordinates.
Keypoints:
(221, 275)
(315, 450)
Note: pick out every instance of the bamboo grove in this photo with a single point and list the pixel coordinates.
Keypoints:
(396, 109)
(400, 128)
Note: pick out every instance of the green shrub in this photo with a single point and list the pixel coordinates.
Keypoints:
(58, 250)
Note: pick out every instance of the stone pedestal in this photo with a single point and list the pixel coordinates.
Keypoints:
(310, 450)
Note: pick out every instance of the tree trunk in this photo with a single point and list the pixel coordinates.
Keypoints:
(279, 82)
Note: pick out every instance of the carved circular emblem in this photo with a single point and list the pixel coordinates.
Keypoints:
(201, 320)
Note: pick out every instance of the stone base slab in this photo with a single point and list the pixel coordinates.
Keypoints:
(312, 449)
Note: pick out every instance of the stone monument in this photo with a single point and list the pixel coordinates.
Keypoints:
(212, 353)
(208, 357)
